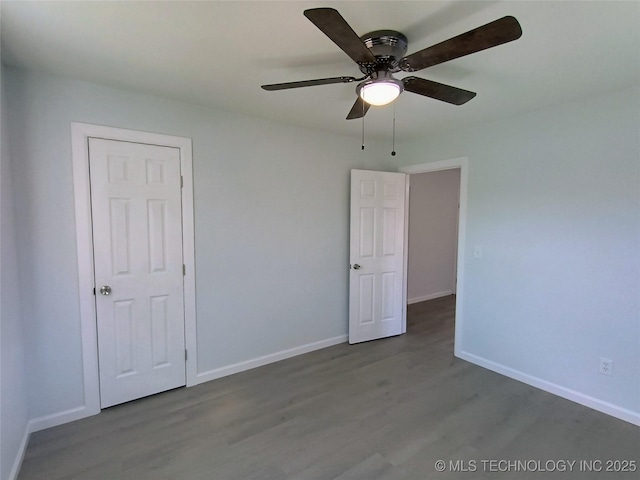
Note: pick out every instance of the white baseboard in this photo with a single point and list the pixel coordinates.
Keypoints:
(55, 419)
(586, 400)
(431, 296)
(58, 418)
(17, 463)
(47, 421)
(266, 359)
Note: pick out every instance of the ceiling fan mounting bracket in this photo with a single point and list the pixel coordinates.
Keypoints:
(388, 46)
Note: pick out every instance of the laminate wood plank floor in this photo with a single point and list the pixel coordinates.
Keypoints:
(387, 409)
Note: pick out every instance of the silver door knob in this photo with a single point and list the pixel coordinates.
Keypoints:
(356, 267)
(105, 290)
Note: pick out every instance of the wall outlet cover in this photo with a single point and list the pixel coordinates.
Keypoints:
(606, 366)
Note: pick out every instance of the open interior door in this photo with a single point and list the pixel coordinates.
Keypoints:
(376, 284)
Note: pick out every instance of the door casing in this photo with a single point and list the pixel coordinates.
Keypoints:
(80, 133)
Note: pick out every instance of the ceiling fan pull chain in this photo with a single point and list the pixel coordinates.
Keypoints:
(362, 125)
(393, 142)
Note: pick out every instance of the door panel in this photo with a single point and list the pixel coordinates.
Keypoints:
(376, 291)
(137, 231)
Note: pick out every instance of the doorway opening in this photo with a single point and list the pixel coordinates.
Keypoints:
(433, 235)
(434, 239)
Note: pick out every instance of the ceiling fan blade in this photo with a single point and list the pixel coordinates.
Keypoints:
(439, 91)
(331, 23)
(308, 83)
(492, 34)
(359, 109)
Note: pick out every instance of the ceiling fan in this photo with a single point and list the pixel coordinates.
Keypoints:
(380, 54)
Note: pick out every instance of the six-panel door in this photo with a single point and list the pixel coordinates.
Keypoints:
(137, 234)
(376, 280)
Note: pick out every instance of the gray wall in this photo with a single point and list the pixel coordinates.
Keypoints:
(553, 201)
(13, 393)
(271, 226)
(433, 234)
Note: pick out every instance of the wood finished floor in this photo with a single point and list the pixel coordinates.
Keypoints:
(381, 410)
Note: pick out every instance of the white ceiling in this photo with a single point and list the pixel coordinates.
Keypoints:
(219, 53)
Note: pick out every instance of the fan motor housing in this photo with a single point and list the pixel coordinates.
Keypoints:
(388, 46)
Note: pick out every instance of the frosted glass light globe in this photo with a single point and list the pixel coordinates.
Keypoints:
(379, 93)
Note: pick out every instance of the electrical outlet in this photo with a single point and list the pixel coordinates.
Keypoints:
(606, 366)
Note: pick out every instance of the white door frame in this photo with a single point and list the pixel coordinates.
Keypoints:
(463, 164)
(80, 132)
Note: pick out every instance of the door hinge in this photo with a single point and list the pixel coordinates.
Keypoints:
(181, 181)
(184, 270)
(94, 290)
(186, 356)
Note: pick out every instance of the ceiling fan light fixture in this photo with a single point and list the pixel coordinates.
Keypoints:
(380, 91)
